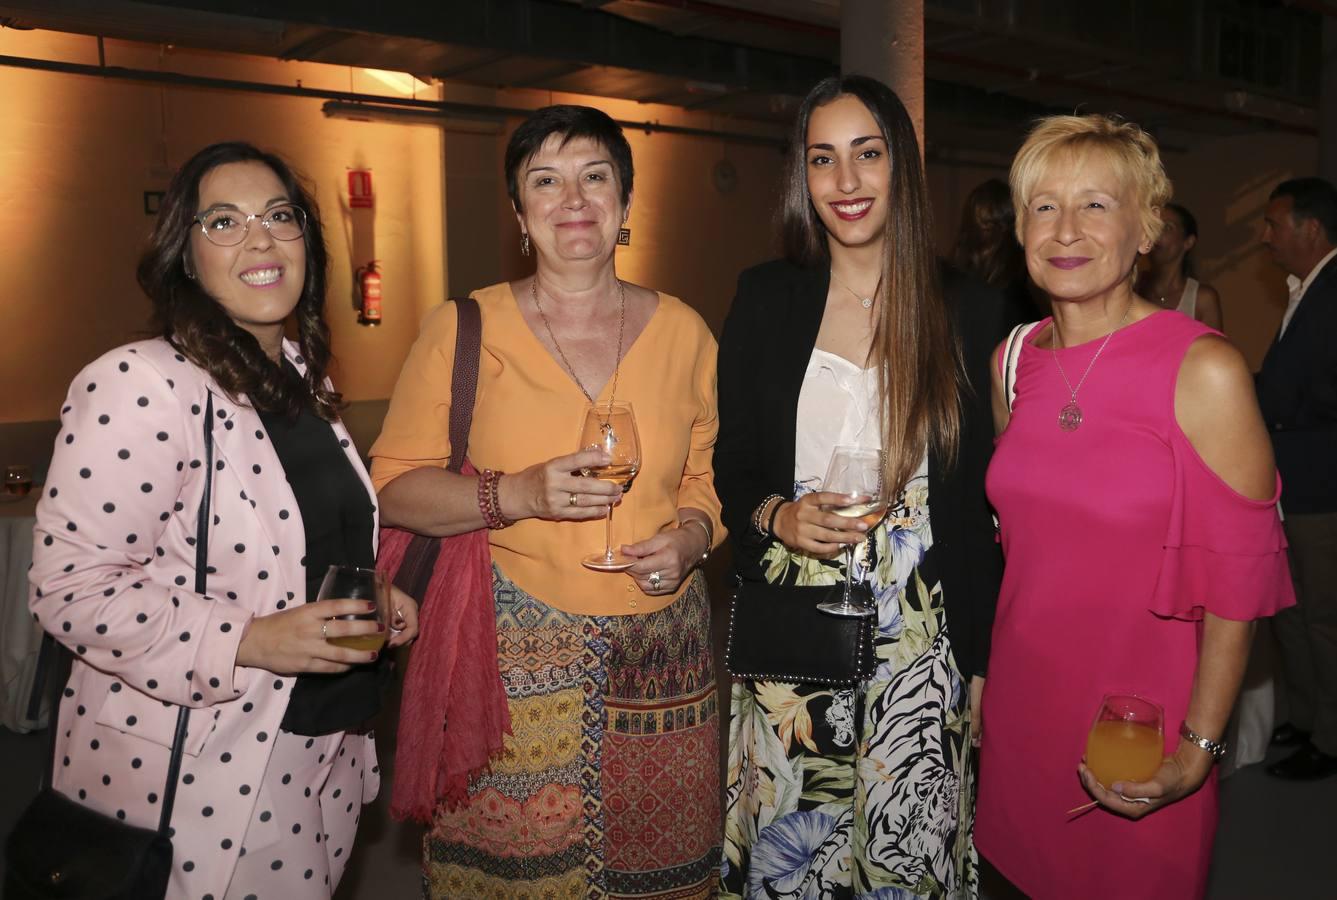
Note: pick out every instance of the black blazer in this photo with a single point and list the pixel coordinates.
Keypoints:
(1297, 392)
(768, 337)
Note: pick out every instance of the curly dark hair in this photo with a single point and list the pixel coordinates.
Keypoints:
(200, 328)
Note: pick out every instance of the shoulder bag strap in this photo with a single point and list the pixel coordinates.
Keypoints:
(415, 571)
(464, 378)
(1012, 353)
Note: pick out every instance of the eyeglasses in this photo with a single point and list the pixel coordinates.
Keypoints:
(228, 227)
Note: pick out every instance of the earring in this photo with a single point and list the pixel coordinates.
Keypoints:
(624, 237)
(524, 242)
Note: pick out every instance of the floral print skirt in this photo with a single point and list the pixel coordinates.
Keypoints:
(608, 786)
(863, 792)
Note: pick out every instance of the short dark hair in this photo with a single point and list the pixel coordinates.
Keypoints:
(1311, 198)
(198, 326)
(569, 122)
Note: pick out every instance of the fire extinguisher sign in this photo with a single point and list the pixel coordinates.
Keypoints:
(359, 189)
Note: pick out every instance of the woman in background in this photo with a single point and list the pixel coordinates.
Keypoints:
(1168, 279)
(987, 248)
(276, 765)
(862, 791)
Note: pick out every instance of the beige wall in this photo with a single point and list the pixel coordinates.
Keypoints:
(81, 151)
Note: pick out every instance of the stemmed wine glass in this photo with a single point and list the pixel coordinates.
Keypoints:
(1126, 743)
(354, 583)
(611, 427)
(856, 473)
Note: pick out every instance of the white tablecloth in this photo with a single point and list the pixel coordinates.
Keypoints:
(20, 636)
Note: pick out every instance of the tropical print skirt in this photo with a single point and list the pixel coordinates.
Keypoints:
(865, 792)
(608, 786)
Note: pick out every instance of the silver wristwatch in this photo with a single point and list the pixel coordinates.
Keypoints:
(1216, 748)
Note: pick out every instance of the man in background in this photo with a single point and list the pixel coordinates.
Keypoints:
(1297, 392)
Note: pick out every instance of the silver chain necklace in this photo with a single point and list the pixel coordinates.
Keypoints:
(621, 329)
(1070, 416)
(865, 302)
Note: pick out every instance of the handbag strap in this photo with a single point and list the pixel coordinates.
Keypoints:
(1012, 353)
(464, 378)
(415, 570)
(52, 664)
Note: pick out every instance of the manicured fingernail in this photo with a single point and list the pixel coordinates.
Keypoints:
(372, 656)
(380, 626)
(371, 605)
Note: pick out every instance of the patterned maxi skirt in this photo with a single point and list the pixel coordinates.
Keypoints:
(609, 784)
(863, 792)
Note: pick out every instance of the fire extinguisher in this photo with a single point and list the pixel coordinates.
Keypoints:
(369, 289)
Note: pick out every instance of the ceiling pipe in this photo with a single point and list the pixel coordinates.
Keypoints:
(348, 101)
(1018, 72)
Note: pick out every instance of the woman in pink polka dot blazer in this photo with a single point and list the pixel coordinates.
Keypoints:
(276, 765)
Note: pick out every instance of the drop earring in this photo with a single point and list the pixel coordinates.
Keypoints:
(624, 236)
(524, 242)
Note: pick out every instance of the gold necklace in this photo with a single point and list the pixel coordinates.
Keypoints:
(621, 329)
(865, 302)
(1070, 416)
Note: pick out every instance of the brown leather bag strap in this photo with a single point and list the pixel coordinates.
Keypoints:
(464, 378)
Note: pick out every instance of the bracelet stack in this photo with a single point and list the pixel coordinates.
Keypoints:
(705, 526)
(488, 504)
(758, 525)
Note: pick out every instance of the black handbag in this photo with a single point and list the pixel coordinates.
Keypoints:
(776, 633)
(62, 850)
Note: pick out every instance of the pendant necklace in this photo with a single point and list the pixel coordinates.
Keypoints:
(865, 302)
(1070, 416)
(621, 328)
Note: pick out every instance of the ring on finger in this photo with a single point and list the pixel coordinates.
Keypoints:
(571, 500)
(324, 626)
(656, 580)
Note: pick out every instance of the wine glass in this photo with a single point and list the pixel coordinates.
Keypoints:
(354, 583)
(611, 427)
(856, 473)
(18, 480)
(1127, 740)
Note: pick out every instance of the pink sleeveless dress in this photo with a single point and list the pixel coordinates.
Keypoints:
(1117, 537)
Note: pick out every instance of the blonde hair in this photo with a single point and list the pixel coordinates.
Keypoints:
(1130, 151)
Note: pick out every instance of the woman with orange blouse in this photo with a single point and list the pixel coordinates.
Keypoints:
(608, 783)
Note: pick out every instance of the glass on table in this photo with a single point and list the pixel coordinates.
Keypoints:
(18, 480)
(857, 474)
(355, 583)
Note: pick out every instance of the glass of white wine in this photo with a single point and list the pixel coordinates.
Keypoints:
(856, 473)
(611, 427)
(354, 583)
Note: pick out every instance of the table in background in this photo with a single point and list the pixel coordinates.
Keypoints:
(20, 636)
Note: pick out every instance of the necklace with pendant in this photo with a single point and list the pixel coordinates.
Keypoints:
(1070, 416)
(621, 329)
(865, 302)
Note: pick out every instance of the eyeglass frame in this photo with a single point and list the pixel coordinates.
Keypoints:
(198, 219)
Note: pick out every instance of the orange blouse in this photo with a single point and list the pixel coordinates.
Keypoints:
(529, 410)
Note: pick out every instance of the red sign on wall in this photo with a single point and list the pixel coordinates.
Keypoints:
(359, 189)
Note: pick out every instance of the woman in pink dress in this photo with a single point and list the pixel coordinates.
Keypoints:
(1136, 496)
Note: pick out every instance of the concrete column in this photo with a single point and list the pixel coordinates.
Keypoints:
(884, 39)
(1327, 102)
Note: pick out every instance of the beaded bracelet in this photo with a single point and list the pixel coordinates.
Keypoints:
(488, 502)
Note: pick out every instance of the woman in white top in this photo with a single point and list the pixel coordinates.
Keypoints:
(866, 789)
(1168, 279)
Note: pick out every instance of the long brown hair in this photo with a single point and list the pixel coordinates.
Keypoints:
(200, 328)
(920, 374)
(986, 243)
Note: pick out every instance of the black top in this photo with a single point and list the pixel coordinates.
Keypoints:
(337, 518)
(767, 340)
(1297, 393)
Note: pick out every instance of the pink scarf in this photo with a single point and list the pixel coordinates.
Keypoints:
(453, 711)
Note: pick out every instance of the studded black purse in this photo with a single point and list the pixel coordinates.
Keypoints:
(776, 633)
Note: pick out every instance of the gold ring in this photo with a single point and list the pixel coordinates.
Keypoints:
(571, 501)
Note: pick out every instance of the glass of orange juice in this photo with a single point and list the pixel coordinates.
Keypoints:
(1127, 740)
